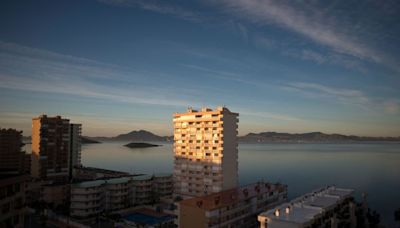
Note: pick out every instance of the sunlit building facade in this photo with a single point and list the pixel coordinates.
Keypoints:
(50, 147)
(56, 148)
(206, 154)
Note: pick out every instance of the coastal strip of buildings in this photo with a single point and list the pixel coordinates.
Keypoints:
(203, 190)
(52, 178)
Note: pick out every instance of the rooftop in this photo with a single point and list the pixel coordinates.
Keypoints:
(142, 177)
(117, 180)
(99, 170)
(205, 110)
(162, 175)
(297, 214)
(88, 184)
(308, 206)
(231, 196)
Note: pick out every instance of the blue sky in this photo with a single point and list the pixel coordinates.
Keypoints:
(121, 65)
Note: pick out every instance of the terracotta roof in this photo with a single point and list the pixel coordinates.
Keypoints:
(231, 196)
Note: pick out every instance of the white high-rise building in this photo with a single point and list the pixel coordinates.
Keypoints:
(206, 154)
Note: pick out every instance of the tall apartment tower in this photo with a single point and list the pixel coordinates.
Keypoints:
(75, 148)
(11, 156)
(55, 148)
(206, 154)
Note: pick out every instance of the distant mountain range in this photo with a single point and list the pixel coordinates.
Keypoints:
(265, 137)
(135, 136)
(84, 140)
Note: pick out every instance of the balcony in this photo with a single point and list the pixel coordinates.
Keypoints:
(84, 206)
(84, 213)
(85, 191)
(84, 198)
(113, 194)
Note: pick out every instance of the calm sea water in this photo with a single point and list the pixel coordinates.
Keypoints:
(370, 168)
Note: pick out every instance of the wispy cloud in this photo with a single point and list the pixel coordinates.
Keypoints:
(220, 74)
(392, 107)
(158, 7)
(243, 32)
(330, 58)
(263, 42)
(355, 98)
(350, 97)
(343, 95)
(310, 22)
(31, 69)
(269, 115)
(231, 76)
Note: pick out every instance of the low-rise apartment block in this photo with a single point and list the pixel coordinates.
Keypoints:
(119, 193)
(162, 184)
(143, 189)
(87, 198)
(90, 198)
(237, 207)
(327, 207)
(55, 194)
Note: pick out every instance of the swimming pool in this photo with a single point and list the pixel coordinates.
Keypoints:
(140, 218)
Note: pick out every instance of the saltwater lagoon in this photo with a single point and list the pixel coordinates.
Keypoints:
(373, 168)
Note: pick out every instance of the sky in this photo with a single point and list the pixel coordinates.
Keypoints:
(122, 65)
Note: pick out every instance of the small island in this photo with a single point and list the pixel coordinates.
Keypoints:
(140, 145)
